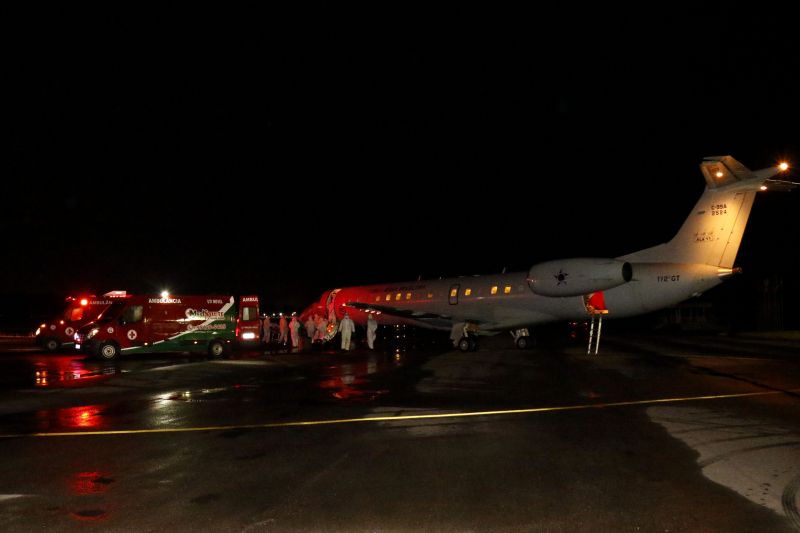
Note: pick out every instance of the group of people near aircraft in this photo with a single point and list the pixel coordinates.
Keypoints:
(317, 330)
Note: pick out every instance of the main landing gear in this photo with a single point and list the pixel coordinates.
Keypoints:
(465, 336)
(522, 338)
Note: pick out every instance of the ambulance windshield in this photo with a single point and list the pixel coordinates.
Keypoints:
(112, 311)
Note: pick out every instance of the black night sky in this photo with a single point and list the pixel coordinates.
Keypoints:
(284, 152)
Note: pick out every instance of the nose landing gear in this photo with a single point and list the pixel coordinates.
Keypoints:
(468, 343)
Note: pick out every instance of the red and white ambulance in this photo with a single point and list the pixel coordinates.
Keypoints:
(59, 331)
(210, 324)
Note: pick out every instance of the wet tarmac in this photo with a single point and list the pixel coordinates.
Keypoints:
(696, 433)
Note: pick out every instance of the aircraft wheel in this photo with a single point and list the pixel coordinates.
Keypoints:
(523, 343)
(108, 351)
(51, 345)
(465, 344)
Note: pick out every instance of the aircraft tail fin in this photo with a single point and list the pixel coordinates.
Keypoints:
(713, 231)
(721, 171)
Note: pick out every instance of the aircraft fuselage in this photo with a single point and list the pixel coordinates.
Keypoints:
(506, 302)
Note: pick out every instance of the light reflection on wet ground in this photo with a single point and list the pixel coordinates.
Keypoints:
(352, 381)
(89, 482)
(80, 417)
(69, 371)
(87, 488)
(139, 394)
(52, 371)
(59, 371)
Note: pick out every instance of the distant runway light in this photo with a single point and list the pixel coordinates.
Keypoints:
(783, 166)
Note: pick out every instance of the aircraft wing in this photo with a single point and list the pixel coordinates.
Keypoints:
(434, 320)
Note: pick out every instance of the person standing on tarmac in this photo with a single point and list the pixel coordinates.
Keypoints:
(266, 331)
(294, 329)
(322, 330)
(372, 326)
(283, 328)
(311, 328)
(347, 327)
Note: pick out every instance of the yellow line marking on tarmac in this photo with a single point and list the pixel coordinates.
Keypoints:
(399, 418)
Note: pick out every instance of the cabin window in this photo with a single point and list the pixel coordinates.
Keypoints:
(76, 314)
(507, 289)
(467, 292)
(398, 296)
(453, 292)
(408, 296)
(132, 314)
(430, 295)
(378, 298)
(388, 297)
(494, 289)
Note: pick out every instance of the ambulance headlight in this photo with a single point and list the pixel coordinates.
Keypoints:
(92, 333)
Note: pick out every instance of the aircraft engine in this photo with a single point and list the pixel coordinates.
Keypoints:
(578, 276)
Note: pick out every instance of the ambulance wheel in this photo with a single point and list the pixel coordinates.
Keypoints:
(216, 349)
(523, 343)
(108, 351)
(51, 345)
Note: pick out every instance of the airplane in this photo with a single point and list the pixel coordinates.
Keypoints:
(699, 257)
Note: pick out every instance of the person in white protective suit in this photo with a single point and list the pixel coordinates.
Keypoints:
(311, 328)
(322, 329)
(266, 330)
(283, 329)
(346, 327)
(294, 329)
(372, 327)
